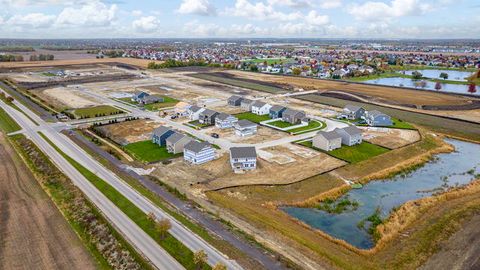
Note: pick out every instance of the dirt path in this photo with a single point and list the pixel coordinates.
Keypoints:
(461, 251)
(33, 233)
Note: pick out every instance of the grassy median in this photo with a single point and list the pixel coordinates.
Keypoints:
(7, 123)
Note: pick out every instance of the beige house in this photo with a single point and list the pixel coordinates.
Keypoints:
(327, 141)
(176, 142)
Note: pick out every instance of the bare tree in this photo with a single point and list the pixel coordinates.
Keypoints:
(200, 258)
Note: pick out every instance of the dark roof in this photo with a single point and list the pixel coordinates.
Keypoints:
(245, 123)
(175, 137)
(194, 108)
(243, 152)
(209, 112)
(246, 100)
(375, 113)
(153, 98)
(351, 130)
(234, 98)
(161, 130)
(196, 146)
(224, 116)
(277, 108)
(352, 108)
(259, 103)
(292, 112)
(138, 93)
(329, 135)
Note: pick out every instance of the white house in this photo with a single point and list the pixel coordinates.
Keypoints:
(198, 152)
(245, 128)
(351, 135)
(243, 158)
(224, 120)
(260, 107)
(194, 112)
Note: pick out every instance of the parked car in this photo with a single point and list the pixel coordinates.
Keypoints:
(215, 135)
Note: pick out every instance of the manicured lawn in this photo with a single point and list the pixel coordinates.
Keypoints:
(128, 100)
(167, 102)
(312, 126)
(252, 117)
(353, 154)
(198, 124)
(398, 123)
(147, 151)
(280, 124)
(7, 124)
(97, 111)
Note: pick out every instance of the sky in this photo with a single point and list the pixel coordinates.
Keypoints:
(239, 19)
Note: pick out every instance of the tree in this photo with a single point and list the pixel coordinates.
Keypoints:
(444, 75)
(417, 75)
(9, 99)
(219, 266)
(200, 258)
(151, 216)
(438, 86)
(296, 71)
(162, 226)
(253, 68)
(472, 88)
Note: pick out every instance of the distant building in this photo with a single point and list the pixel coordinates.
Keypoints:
(243, 158)
(246, 104)
(245, 128)
(234, 101)
(276, 111)
(224, 120)
(351, 135)
(176, 142)
(198, 152)
(327, 141)
(194, 112)
(207, 117)
(150, 100)
(377, 119)
(293, 116)
(260, 108)
(352, 112)
(160, 135)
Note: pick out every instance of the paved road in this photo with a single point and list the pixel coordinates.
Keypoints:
(134, 234)
(178, 230)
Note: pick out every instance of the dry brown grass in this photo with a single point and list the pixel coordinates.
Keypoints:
(331, 194)
(142, 63)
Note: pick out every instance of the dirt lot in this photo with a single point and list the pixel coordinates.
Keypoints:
(142, 63)
(65, 97)
(390, 138)
(129, 131)
(263, 134)
(289, 164)
(33, 233)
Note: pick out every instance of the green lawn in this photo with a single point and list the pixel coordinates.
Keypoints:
(353, 154)
(312, 126)
(174, 247)
(252, 117)
(7, 124)
(97, 111)
(167, 102)
(198, 124)
(398, 123)
(280, 124)
(128, 100)
(147, 151)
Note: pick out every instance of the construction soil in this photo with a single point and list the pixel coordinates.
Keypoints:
(61, 97)
(33, 233)
(129, 131)
(390, 138)
(141, 63)
(263, 134)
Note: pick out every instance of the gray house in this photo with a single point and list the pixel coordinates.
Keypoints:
(151, 100)
(246, 104)
(224, 120)
(377, 119)
(160, 135)
(243, 158)
(351, 135)
(276, 111)
(234, 101)
(352, 112)
(207, 117)
(176, 142)
(293, 116)
(245, 128)
(327, 141)
(194, 112)
(198, 152)
(138, 96)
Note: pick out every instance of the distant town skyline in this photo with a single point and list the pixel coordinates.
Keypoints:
(239, 19)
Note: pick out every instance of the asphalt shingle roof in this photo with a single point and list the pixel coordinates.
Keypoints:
(243, 152)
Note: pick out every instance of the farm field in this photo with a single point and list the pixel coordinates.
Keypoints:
(141, 63)
(239, 83)
(34, 233)
(97, 111)
(148, 152)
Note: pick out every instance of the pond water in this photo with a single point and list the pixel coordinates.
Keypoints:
(453, 75)
(446, 170)
(428, 85)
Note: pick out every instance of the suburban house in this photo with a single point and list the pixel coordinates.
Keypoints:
(160, 135)
(198, 152)
(276, 111)
(207, 117)
(293, 116)
(224, 120)
(245, 128)
(327, 141)
(176, 142)
(234, 101)
(194, 112)
(138, 96)
(352, 112)
(377, 119)
(246, 104)
(150, 100)
(243, 158)
(260, 108)
(351, 135)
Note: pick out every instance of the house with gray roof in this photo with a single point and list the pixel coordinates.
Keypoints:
(150, 100)
(276, 111)
(352, 112)
(160, 135)
(327, 140)
(293, 116)
(207, 117)
(244, 128)
(260, 107)
(224, 120)
(194, 112)
(246, 104)
(198, 152)
(377, 119)
(351, 135)
(138, 96)
(176, 142)
(243, 158)
(235, 101)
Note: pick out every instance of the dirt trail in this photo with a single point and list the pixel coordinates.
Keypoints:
(33, 233)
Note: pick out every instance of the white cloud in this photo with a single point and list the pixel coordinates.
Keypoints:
(378, 11)
(313, 18)
(137, 13)
(292, 3)
(260, 11)
(31, 20)
(146, 24)
(198, 7)
(91, 14)
(328, 4)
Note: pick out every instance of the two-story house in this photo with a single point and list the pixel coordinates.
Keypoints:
(243, 158)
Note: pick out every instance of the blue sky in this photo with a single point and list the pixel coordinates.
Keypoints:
(239, 18)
